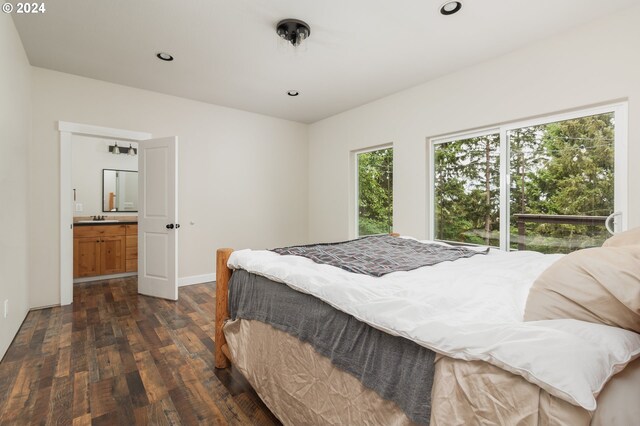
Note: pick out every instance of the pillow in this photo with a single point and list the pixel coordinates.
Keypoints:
(599, 285)
(627, 238)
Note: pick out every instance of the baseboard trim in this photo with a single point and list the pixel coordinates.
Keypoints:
(37, 308)
(184, 281)
(104, 277)
(196, 279)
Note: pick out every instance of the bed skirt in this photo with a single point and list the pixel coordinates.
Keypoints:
(302, 387)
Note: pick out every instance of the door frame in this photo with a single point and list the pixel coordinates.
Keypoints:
(67, 130)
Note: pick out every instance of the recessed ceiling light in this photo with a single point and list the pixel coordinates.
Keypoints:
(293, 93)
(451, 7)
(165, 56)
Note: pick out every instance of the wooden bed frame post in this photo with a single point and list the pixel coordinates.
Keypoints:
(223, 273)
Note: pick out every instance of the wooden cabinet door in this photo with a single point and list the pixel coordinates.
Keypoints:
(112, 255)
(86, 257)
(131, 262)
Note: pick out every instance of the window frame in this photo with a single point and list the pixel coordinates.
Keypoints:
(356, 178)
(621, 176)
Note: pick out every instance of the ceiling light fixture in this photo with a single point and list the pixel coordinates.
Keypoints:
(451, 7)
(293, 93)
(165, 56)
(294, 31)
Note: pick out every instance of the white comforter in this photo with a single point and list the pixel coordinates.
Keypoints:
(470, 309)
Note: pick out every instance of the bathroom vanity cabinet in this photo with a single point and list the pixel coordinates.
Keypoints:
(104, 249)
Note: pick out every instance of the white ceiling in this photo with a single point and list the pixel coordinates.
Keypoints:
(227, 51)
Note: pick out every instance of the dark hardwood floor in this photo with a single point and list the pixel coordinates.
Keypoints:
(117, 358)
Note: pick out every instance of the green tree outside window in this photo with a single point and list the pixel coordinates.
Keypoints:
(375, 192)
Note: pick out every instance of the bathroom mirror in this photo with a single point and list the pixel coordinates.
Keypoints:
(119, 190)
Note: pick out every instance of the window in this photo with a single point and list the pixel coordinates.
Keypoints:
(561, 179)
(375, 191)
(467, 199)
(562, 183)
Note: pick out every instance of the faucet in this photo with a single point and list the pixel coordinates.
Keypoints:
(98, 217)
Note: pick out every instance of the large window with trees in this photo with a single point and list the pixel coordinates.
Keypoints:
(552, 185)
(375, 191)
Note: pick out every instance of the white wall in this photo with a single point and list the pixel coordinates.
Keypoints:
(248, 180)
(242, 176)
(596, 63)
(15, 126)
(89, 156)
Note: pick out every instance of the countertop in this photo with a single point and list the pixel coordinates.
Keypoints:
(101, 223)
(121, 220)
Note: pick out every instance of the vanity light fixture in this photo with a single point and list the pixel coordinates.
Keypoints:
(451, 7)
(115, 149)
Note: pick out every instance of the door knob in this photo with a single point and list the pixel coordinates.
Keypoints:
(170, 226)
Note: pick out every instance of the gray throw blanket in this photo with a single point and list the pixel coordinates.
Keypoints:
(396, 368)
(379, 254)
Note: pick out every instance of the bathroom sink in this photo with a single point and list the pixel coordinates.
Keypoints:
(99, 221)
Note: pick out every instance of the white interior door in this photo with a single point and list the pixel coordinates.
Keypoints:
(158, 218)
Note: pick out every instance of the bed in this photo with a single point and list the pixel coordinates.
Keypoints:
(472, 358)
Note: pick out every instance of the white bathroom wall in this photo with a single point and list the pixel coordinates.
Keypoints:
(593, 64)
(89, 156)
(242, 176)
(15, 125)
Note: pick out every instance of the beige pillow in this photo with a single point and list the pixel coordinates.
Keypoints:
(627, 238)
(600, 285)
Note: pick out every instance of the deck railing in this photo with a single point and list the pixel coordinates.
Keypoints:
(522, 219)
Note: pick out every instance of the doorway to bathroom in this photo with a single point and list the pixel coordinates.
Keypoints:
(104, 180)
(118, 208)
